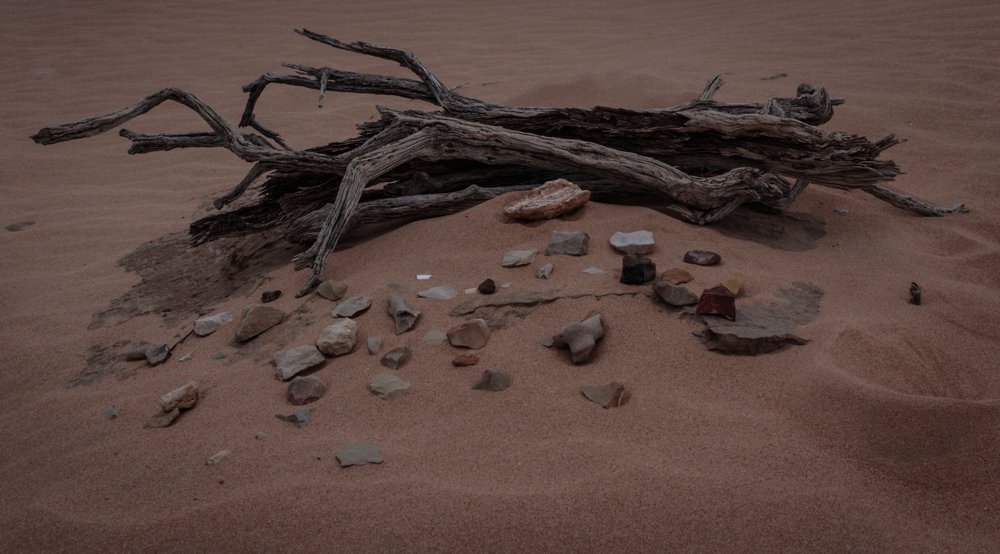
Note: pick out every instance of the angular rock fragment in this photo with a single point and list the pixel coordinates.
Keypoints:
(765, 327)
(676, 276)
(717, 301)
(163, 419)
(473, 334)
(552, 199)
(359, 453)
(387, 385)
(303, 390)
(544, 271)
(157, 355)
(487, 287)
(580, 338)
(404, 315)
(515, 258)
(702, 257)
(568, 243)
(300, 418)
(338, 339)
(637, 270)
(493, 379)
(269, 296)
(612, 395)
(183, 397)
(636, 242)
(374, 345)
(395, 358)
(465, 359)
(257, 318)
(217, 457)
(352, 306)
(915, 294)
(674, 295)
(435, 337)
(594, 271)
(204, 326)
(186, 357)
(442, 292)
(332, 289)
(292, 361)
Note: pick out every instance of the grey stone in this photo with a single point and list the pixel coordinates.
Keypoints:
(257, 318)
(612, 395)
(186, 357)
(544, 271)
(292, 361)
(568, 243)
(204, 326)
(395, 358)
(442, 292)
(435, 337)
(387, 385)
(841, 212)
(338, 339)
(303, 390)
(402, 313)
(157, 355)
(218, 356)
(636, 242)
(594, 271)
(374, 345)
(332, 289)
(137, 351)
(352, 306)
(163, 419)
(580, 338)
(494, 380)
(675, 295)
(217, 457)
(474, 334)
(300, 418)
(515, 258)
(359, 453)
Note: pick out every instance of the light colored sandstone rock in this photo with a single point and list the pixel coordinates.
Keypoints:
(338, 339)
(552, 199)
(474, 334)
(257, 318)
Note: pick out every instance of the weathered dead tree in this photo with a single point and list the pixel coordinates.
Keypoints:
(702, 159)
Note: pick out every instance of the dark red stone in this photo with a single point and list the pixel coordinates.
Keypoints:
(637, 270)
(702, 257)
(487, 287)
(717, 301)
(269, 296)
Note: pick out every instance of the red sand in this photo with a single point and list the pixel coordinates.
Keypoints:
(881, 434)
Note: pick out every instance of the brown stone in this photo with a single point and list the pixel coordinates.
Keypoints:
(463, 360)
(493, 379)
(303, 390)
(257, 318)
(676, 276)
(552, 199)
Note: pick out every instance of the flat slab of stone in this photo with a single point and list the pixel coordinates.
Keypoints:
(568, 243)
(257, 318)
(338, 339)
(292, 361)
(516, 258)
(352, 306)
(387, 385)
(359, 453)
(552, 199)
(636, 242)
(204, 326)
(765, 327)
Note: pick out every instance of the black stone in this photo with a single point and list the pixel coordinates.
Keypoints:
(269, 296)
(487, 287)
(637, 270)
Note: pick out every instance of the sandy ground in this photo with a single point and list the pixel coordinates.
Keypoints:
(883, 433)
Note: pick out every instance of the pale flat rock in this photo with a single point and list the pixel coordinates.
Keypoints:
(387, 385)
(374, 345)
(494, 380)
(257, 318)
(612, 395)
(442, 292)
(359, 453)
(636, 242)
(594, 271)
(204, 326)
(217, 457)
(332, 289)
(338, 339)
(568, 243)
(473, 334)
(765, 327)
(676, 276)
(435, 337)
(404, 315)
(552, 199)
(292, 361)
(352, 306)
(303, 390)
(516, 258)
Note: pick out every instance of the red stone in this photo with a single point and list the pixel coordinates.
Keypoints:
(717, 301)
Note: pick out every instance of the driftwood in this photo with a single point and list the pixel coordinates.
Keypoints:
(700, 160)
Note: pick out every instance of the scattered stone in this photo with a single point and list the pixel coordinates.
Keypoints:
(765, 327)
(402, 313)
(487, 287)
(612, 395)
(257, 318)
(217, 457)
(260, 435)
(359, 454)
(303, 390)
(163, 419)
(702, 257)
(464, 360)
(19, 226)
(580, 338)
(338, 339)
(218, 356)
(568, 243)
(493, 379)
(183, 397)
(636, 242)
(552, 199)
(292, 361)
(423, 277)
(387, 385)
(157, 355)
(472, 290)
(395, 358)
(544, 272)
(269, 296)
(915, 294)
(734, 285)
(717, 301)
(442, 292)
(594, 271)
(300, 418)
(515, 258)
(435, 337)
(473, 334)
(505, 285)
(676, 276)
(674, 295)
(547, 342)
(525, 298)
(111, 413)
(352, 306)
(204, 326)
(637, 270)
(137, 351)
(841, 212)
(374, 345)
(332, 289)
(186, 357)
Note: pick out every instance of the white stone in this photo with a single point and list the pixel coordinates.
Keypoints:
(338, 339)
(207, 325)
(636, 242)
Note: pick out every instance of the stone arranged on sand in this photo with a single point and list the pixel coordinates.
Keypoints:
(717, 301)
(612, 395)
(487, 287)
(303, 390)
(580, 338)
(338, 339)
(257, 318)
(111, 413)
(765, 327)
(493, 379)
(473, 334)
(702, 257)
(637, 269)
(435, 337)
(464, 359)
(204, 326)
(292, 361)
(568, 243)
(734, 285)
(352, 306)
(387, 385)
(594, 271)
(442, 292)
(138, 350)
(552, 199)
(183, 397)
(332, 289)
(395, 358)
(269, 296)
(676, 276)
(300, 418)
(217, 457)
(404, 315)
(359, 453)
(674, 295)
(544, 271)
(636, 242)
(374, 345)
(515, 258)
(156, 355)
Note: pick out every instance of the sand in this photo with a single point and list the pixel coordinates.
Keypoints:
(881, 434)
